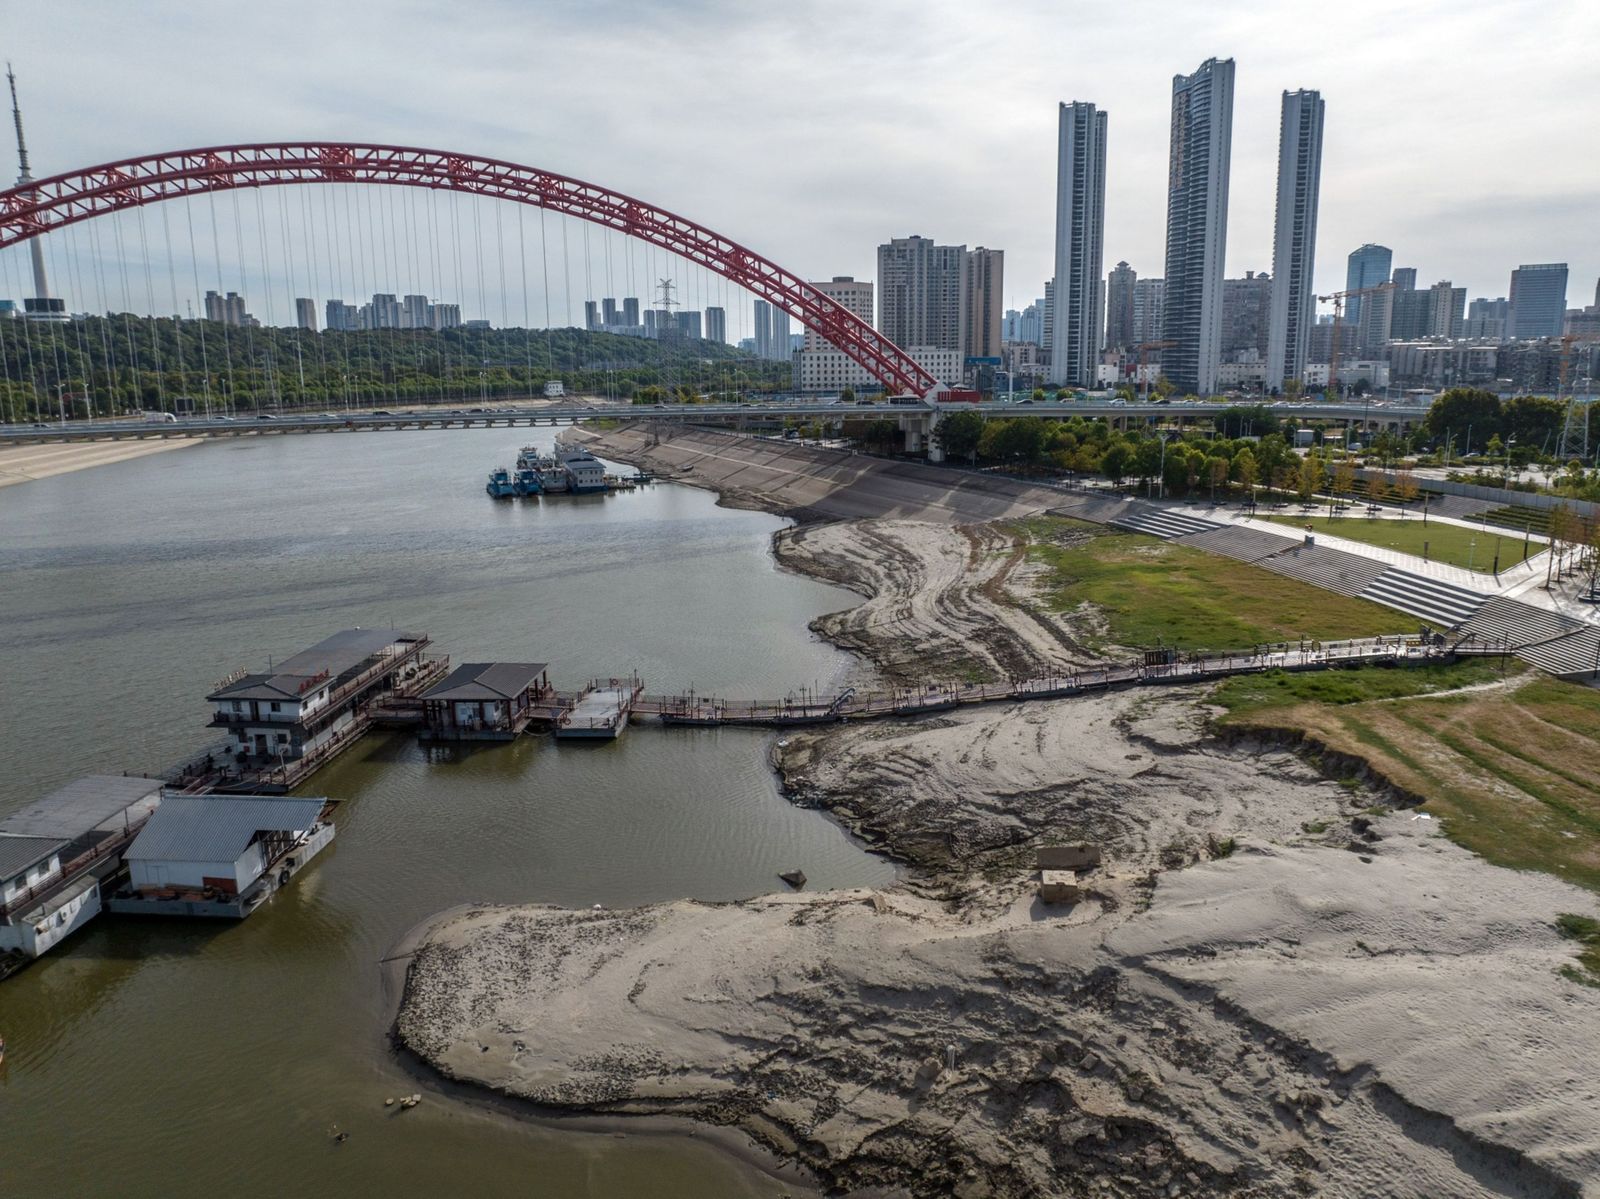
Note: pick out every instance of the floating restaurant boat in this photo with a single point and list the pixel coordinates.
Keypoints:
(500, 485)
(584, 471)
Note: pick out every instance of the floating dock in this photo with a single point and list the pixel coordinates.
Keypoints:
(601, 712)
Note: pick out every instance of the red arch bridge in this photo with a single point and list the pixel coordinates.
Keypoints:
(39, 206)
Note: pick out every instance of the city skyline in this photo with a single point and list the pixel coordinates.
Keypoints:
(1394, 129)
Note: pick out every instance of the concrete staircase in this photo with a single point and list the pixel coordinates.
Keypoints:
(1417, 595)
(1554, 643)
(1333, 570)
(1236, 541)
(1160, 522)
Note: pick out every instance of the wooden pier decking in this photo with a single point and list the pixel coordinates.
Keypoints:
(708, 711)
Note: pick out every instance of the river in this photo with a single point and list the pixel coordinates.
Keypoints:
(171, 1057)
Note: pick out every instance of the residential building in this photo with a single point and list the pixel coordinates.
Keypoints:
(717, 325)
(944, 364)
(1447, 308)
(444, 316)
(630, 311)
(1197, 222)
(920, 293)
(1246, 310)
(689, 324)
(763, 328)
(1410, 310)
(229, 310)
(982, 298)
(1320, 346)
(822, 367)
(1487, 319)
(1439, 364)
(1120, 284)
(305, 313)
(780, 343)
(591, 316)
(1294, 241)
(1583, 322)
(1078, 319)
(1538, 299)
(414, 312)
(1149, 311)
(1047, 319)
(341, 317)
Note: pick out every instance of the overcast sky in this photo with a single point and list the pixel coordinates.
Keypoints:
(1463, 135)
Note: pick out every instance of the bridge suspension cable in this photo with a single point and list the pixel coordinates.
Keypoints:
(66, 199)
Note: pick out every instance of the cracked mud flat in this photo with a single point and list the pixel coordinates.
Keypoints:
(1342, 1013)
(1264, 992)
(939, 599)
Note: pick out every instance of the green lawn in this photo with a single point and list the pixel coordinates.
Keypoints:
(1510, 771)
(1154, 592)
(1436, 541)
(1248, 694)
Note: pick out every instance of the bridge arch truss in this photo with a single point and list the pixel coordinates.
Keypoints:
(39, 206)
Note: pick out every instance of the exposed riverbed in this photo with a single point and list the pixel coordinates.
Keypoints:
(1268, 990)
(152, 1057)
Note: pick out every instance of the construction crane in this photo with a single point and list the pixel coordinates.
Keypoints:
(1143, 349)
(1575, 429)
(1337, 299)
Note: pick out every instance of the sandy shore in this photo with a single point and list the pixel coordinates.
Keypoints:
(1267, 990)
(23, 464)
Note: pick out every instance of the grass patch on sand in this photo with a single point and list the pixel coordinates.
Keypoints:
(1454, 544)
(1586, 932)
(1154, 592)
(1250, 693)
(1509, 771)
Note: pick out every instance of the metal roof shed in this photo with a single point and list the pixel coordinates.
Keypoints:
(209, 828)
(84, 804)
(472, 681)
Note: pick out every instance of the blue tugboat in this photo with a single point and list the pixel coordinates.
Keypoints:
(500, 485)
(526, 482)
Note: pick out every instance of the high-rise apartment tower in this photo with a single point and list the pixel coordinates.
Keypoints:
(1294, 238)
(1080, 237)
(1197, 222)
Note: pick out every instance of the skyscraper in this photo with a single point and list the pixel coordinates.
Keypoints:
(1080, 239)
(920, 294)
(1119, 307)
(1538, 300)
(1447, 310)
(717, 325)
(305, 314)
(1294, 237)
(1368, 267)
(1197, 222)
(982, 300)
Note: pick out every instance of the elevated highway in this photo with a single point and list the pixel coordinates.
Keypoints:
(918, 418)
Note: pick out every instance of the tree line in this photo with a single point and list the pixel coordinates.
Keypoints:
(105, 366)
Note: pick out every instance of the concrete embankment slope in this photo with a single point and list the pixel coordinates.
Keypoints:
(778, 476)
(23, 464)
